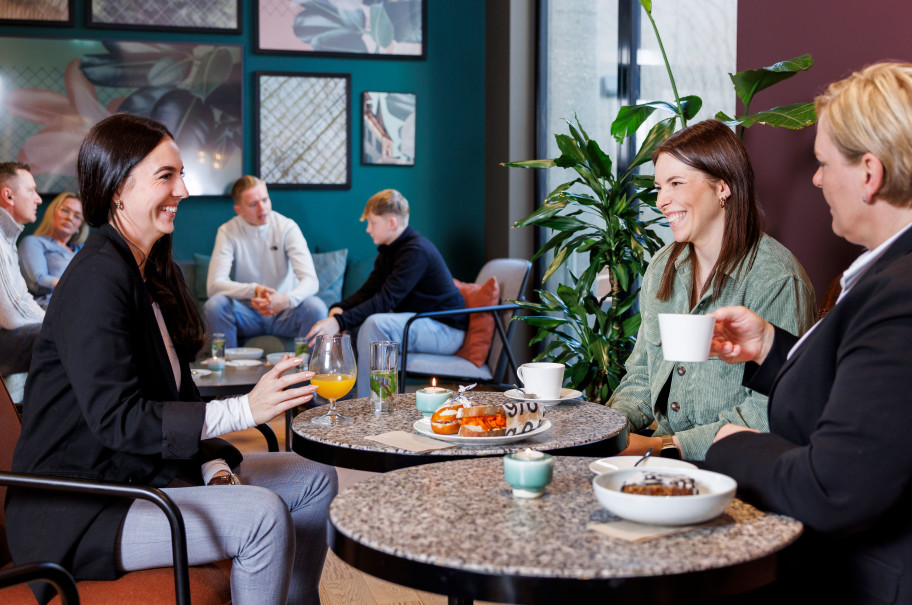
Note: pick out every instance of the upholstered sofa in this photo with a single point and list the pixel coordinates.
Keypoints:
(339, 276)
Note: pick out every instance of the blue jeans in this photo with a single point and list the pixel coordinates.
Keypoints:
(16, 348)
(273, 527)
(237, 321)
(425, 336)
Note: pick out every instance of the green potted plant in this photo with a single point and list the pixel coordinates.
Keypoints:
(600, 213)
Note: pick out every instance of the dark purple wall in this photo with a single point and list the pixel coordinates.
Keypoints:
(842, 36)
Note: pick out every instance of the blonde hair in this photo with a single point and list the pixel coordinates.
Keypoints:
(243, 184)
(388, 201)
(46, 227)
(871, 112)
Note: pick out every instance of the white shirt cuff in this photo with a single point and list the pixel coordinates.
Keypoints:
(226, 416)
(212, 467)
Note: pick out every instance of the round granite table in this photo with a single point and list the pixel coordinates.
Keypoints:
(577, 428)
(454, 528)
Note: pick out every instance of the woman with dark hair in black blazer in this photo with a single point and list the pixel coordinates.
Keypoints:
(110, 396)
(838, 456)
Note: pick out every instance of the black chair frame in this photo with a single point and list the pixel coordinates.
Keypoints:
(496, 373)
(103, 488)
(55, 575)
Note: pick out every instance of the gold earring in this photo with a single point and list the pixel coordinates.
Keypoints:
(722, 201)
(118, 204)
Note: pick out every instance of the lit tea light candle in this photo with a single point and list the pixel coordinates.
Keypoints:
(428, 399)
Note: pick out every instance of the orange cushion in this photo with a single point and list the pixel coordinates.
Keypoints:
(480, 334)
(209, 585)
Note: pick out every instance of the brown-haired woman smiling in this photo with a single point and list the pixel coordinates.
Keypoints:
(837, 457)
(720, 257)
(110, 396)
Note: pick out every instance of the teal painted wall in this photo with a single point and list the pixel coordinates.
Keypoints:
(445, 188)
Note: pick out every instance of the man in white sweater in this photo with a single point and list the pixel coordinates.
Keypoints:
(274, 284)
(20, 315)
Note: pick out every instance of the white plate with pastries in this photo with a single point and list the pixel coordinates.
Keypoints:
(425, 429)
(566, 395)
(617, 463)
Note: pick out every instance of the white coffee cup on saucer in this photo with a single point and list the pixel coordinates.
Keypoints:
(542, 379)
(686, 337)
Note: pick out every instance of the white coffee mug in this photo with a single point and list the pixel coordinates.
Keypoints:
(686, 337)
(542, 379)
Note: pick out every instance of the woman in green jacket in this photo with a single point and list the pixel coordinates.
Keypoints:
(720, 257)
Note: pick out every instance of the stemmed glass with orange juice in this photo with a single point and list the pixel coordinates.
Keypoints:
(333, 363)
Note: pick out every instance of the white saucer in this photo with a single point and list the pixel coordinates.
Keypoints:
(617, 463)
(200, 372)
(425, 429)
(566, 395)
(243, 363)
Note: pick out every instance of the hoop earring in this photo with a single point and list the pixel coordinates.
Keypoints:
(118, 204)
(722, 201)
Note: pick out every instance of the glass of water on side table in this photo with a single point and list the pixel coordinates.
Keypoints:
(333, 363)
(384, 364)
(217, 361)
(301, 351)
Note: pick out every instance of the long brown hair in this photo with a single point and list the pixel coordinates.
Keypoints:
(108, 154)
(713, 149)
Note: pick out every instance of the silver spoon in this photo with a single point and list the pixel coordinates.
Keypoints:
(646, 455)
(523, 391)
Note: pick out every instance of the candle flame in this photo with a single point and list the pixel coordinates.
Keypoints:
(433, 382)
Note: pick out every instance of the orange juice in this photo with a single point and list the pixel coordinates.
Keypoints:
(333, 386)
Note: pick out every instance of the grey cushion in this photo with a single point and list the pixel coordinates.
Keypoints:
(330, 268)
(446, 365)
(201, 266)
(355, 276)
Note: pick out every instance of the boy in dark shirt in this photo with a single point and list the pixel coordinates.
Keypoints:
(409, 277)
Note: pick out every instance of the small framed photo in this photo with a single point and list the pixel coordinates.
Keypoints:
(303, 130)
(392, 29)
(37, 12)
(388, 128)
(200, 16)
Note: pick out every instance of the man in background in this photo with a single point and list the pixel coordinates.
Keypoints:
(20, 315)
(274, 284)
(409, 276)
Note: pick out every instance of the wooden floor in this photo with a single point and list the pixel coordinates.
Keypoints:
(341, 583)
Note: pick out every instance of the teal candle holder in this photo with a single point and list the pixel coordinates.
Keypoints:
(528, 472)
(428, 399)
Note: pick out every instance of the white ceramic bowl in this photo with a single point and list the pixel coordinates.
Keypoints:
(616, 463)
(274, 358)
(715, 493)
(243, 353)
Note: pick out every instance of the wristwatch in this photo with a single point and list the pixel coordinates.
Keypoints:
(669, 450)
(229, 479)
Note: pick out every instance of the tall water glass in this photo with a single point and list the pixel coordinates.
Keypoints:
(217, 361)
(384, 364)
(333, 363)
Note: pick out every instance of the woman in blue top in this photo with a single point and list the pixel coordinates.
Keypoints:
(44, 255)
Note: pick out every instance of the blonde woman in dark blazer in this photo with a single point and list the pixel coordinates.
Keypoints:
(838, 456)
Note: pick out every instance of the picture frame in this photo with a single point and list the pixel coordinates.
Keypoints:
(198, 16)
(55, 90)
(44, 13)
(379, 29)
(303, 130)
(388, 123)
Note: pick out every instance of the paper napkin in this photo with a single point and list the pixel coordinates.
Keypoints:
(637, 532)
(410, 441)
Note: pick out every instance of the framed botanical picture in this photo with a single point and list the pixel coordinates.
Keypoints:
(203, 16)
(388, 128)
(303, 130)
(56, 90)
(341, 28)
(36, 12)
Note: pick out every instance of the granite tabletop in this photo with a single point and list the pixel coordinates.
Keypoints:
(573, 423)
(461, 514)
